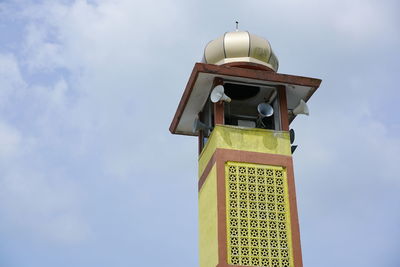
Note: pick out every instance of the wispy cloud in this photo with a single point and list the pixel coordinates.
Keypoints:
(87, 94)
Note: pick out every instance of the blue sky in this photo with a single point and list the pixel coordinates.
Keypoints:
(90, 175)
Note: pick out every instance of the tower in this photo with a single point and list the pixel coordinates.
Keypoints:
(241, 108)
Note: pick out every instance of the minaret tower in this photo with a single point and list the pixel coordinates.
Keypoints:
(241, 109)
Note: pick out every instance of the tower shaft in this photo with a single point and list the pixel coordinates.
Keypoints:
(247, 202)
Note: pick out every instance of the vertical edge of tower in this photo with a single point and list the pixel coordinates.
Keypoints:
(208, 222)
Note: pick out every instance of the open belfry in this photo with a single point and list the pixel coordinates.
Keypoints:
(240, 108)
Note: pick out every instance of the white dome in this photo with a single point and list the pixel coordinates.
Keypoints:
(240, 47)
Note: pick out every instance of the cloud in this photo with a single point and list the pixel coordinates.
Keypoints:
(41, 51)
(77, 87)
(43, 206)
(346, 178)
(107, 56)
(86, 104)
(365, 20)
(10, 142)
(10, 78)
(36, 199)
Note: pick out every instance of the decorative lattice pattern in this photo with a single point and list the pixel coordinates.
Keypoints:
(258, 226)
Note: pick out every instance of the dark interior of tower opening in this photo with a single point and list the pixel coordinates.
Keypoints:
(242, 110)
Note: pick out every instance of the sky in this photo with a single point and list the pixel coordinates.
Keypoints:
(91, 176)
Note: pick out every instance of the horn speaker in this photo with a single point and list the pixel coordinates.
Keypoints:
(265, 110)
(218, 94)
(198, 125)
(302, 108)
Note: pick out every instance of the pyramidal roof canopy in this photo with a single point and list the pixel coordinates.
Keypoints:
(243, 58)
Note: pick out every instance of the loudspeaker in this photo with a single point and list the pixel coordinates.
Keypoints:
(265, 110)
(198, 125)
(302, 108)
(218, 94)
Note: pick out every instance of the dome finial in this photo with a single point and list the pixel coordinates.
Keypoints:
(237, 26)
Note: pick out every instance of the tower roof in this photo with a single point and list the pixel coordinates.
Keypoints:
(237, 47)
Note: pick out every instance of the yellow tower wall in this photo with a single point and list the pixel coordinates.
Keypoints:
(271, 222)
(246, 139)
(208, 235)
